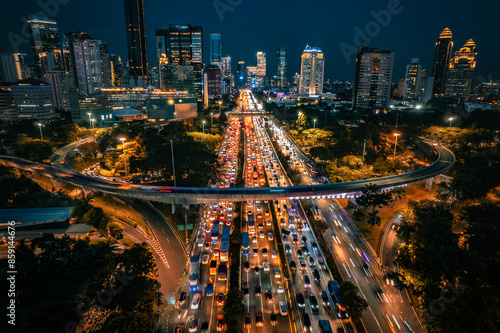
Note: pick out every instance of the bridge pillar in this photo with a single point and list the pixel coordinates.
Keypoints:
(428, 184)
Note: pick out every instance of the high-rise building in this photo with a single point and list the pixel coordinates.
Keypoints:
(182, 45)
(412, 80)
(442, 56)
(282, 64)
(260, 73)
(252, 76)
(33, 100)
(312, 71)
(215, 49)
(175, 78)
(14, 67)
(60, 82)
(116, 70)
(296, 82)
(226, 74)
(135, 25)
(214, 81)
(46, 44)
(373, 78)
(87, 64)
(427, 84)
(7, 106)
(241, 74)
(105, 65)
(461, 71)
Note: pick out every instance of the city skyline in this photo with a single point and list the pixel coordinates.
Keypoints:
(234, 26)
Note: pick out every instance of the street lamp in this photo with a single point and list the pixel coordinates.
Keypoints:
(41, 134)
(124, 159)
(173, 165)
(203, 126)
(212, 119)
(90, 120)
(450, 119)
(363, 160)
(314, 122)
(396, 143)
(220, 107)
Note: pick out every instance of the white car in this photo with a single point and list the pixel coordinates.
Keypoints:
(266, 266)
(195, 304)
(279, 285)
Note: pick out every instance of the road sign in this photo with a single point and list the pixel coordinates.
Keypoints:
(180, 227)
(190, 226)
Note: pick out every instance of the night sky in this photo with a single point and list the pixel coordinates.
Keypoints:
(249, 26)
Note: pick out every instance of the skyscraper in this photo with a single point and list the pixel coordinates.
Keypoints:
(241, 73)
(461, 71)
(312, 71)
(60, 82)
(373, 78)
(46, 44)
(14, 67)
(215, 49)
(214, 81)
(442, 56)
(136, 40)
(412, 80)
(87, 65)
(260, 73)
(116, 70)
(226, 73)
(105, 65)
(182, 45)
(282, 74)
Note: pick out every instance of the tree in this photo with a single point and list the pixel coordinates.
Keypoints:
(138, 261)
(234, 310)
(373, 197)
(397, 194)
(95, 217)
(355, 303)
(34, 150)
(115, 229)
(89, 149)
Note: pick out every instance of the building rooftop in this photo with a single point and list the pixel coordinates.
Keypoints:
(29, 215)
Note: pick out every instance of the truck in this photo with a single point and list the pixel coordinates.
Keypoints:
(338, 304)
(224, 244)
(213, 267)
(245, 244)
(194, 265)
(222, 272)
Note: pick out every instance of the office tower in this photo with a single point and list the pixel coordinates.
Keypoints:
(260, 72)
(372, 80)
(105, 65)
(252, 76)
(241, 74)
(442, 57)
(399, 92)
(46, 44)
(66, 55)
(214, 81)
(136, 41)
(7, 106)
(60, 82)
(427, 85)
(281, 74)
(412, 80)
(14, 67)
(215, 49)
(226, 74)
(33, 100)
(87, 64)
(312, 71)
(175, 78)
(461, 71)
(182, 45)
(116, 70)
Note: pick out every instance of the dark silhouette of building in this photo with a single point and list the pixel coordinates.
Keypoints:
(136, 40)
(442, 61)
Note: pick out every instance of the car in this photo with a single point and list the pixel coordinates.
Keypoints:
(256, 270)
(207, 246)
(311, 261)
(209, 291)
(178, 329)
(245, 290)
(259, 215)
(269, 297)
(259, 320)
(314, 302)
(182, 298)
(324, 298)
(220, 299)
(195, 304)
(300, 255)
(279, 286)
(288, 249)
(216, 252)
(261, 225)
(270, 236)
(303, 266)
(255, 251)
(304, 240)
(283, 308)
(300, 300)
(306, 321)
(266, 266)
(268, 222)
(205, 258)
(274, 318)
(201, 240)
(246, 266)
(315, 247)
(305, 250)
(293, 265)
(248, 321)
(307, 282)
(277, 273)
(192, 324)
(254, 239)
(316, 275)
(257, 290)
(274, 254)
(295, 239)
(220, 322)
(321, 263)
(379, 293)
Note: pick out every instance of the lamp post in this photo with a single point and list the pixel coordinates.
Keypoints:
(396, 143)
(314, 122)
(124, 159)
(203, 126)
(93, 121)
(450, 119)
(90, 120)
(173, 165)
(41, 134)
(363, 158)
(220, 107)
(211, 119)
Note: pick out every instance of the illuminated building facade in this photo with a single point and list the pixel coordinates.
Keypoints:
(442, 57)
(215, 49)
(213, 81)
(312, 71)
(282, 67)
(461, 71)
(135, 26)
(33, 100)
(45, 42)
(14, 67)
(241, 74)
(60, 82)
(412, 80)
(116, 70)
(260, 72)
(227, 75)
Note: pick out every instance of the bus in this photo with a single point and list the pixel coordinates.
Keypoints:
(214, 236)
(224, 244)
(245, 245)
(338, 303)
(194, 264)
(251, 224)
